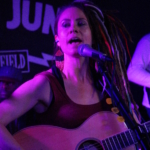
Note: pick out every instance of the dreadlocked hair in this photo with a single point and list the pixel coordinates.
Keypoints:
(109, 36)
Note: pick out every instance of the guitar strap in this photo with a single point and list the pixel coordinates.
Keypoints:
(56, 72)
(148, 94)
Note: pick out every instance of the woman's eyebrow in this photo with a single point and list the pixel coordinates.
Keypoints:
(69, 20)
(66, 19)
(81, 19)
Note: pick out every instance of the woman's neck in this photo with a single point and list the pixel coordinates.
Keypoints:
(76, 69)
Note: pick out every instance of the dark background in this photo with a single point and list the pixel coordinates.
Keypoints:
(135, 14)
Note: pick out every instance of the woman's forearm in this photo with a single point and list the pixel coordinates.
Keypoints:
(7, 141)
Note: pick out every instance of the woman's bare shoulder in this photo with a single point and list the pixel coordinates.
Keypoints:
(26, 96)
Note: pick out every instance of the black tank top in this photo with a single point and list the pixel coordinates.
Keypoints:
(63, 111)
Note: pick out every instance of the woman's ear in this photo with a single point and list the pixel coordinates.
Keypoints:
(57, 40)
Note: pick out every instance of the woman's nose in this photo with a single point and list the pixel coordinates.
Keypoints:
(73, 28)
(73, 31)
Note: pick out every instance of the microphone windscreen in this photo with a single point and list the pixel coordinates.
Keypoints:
(81, 47)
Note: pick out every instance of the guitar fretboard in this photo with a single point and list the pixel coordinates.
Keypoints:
(120, 141)
(145, 127)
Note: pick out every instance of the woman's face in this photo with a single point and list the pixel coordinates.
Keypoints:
(73, 29)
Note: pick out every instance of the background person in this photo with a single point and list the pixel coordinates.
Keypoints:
(10, 79)
(139, 71)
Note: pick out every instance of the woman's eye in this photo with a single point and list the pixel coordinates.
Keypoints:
(65, 24)
(81, 23)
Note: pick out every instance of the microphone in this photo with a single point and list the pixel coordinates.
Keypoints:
(86, 50)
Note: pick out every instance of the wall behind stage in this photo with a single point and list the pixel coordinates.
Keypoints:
(26, 34)
(26, 31)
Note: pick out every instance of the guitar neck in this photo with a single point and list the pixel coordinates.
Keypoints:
(145, 127)
(120, 141)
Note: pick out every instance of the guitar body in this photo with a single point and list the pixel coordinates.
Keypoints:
(96, 128)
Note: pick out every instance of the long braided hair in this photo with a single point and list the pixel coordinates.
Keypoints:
(110, 37)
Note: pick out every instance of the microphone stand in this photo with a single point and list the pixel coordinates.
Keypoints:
(131, 123)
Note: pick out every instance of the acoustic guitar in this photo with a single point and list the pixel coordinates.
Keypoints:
(101, 131)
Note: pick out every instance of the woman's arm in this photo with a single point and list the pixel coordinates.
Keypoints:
(7, 141)
(22, 99)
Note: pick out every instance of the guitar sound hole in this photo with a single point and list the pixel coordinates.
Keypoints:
(89, 144)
